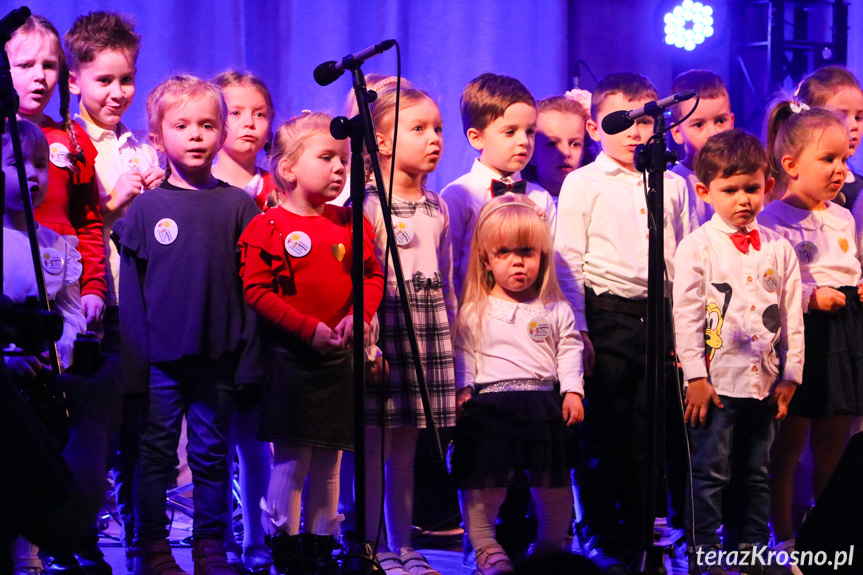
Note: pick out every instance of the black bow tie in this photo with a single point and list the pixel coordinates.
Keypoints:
(499, 188)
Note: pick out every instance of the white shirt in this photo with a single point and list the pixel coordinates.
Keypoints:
(737, 317)
(602, 240)
(465, 198)
(825, 242)
(703, 210)
(117, 155)
(508, 350)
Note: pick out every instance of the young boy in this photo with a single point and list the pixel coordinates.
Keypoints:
(601, 256)
(498, 115)
(183, 321)
(739, 326)
(712, 116)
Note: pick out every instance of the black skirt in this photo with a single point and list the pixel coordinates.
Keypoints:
(833, 368)
(508, 432)
(308, 396)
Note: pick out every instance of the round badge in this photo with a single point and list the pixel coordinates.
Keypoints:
(770, 280)
(298, 244)
(52, 261)
(807, 252)
(166, 231)
(539, 328)
(59, 155)
(404, 232)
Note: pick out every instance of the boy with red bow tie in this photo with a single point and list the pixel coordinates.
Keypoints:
(739, 326)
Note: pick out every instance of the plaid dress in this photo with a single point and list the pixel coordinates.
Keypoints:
(422, 232)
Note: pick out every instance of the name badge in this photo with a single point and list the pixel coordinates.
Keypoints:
(298, 244)
(166, 231)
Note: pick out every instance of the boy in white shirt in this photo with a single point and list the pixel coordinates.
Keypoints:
(498, 114)
(739, 326)
(601, 250)
(712, 116)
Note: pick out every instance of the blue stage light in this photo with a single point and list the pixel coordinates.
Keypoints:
(688, 25)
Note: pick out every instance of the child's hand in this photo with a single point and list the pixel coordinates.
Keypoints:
(782, 394)
(699, 396)
(94, 307)
(128, 185)
(588, 355)
(827, 299)
(325, 340)
(24, 366)
(461, 396)
(153, 177)
(573, 410)
(345, 330)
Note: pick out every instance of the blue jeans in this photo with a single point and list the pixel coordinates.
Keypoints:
(736, 440)
(203, 391)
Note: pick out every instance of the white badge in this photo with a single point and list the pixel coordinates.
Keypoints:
(539, 328)
(59, 155)
(770, 280)
(404, 232)
(52, 261)
(166, 231)
(807, 252)
(298, 244)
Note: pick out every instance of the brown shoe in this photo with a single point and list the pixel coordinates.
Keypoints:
(154, 558)
(210, 558)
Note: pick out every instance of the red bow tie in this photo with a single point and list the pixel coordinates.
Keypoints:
(742, 241)
(499, 188)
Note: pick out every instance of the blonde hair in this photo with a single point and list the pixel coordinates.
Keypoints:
(178, 91)
(230, 78)
(289, 144)
(508, 220)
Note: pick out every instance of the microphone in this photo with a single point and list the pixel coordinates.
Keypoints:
(616, 122)
(329, 72)
(12, 21)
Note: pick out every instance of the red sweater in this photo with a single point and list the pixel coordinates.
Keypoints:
(296, 293)
(269, 186)
(71, 205)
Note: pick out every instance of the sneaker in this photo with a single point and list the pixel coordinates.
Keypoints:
(492, 560)
(753, 566)
(706, 567)
(391, 564)
(781, 558)
(210, 558)
(154, 558)
(414, 563)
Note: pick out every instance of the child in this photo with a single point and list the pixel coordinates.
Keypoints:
(739, 328)
(102, 48)
(712, 116)
(71, 205)
(809, 153)
(250, 120)
(835, 88)
(518, 355)
(296, 275)
(183, 321)
(498, 115)
(601, 256)
(560, 142)
(394, 411)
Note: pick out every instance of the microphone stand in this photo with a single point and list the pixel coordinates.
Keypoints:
(361, 131)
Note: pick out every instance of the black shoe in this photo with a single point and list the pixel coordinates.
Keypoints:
(318, 554)
(287, 554)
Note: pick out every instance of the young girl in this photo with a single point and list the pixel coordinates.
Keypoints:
(71, 206)
(835, 88)
(394, 411)
(296, 275)
(250, 120)
(809, 149)
(518, 354)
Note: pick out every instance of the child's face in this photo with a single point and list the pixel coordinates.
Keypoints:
(621, 147)
(711, 117)
(35, 69)
(515, 269)
(106, 87)
(321, 170)
(506, 144)
(192, 134)
(559, 147)
(420, 141)
(248, 123)
(819, 173)
(36, 168)
(738, 198)
(848, 101)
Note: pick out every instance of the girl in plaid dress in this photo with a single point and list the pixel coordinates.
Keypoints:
(394, 412)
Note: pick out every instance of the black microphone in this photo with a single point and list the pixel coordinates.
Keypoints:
(12, 21)
(329, 72)
(616, 122)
